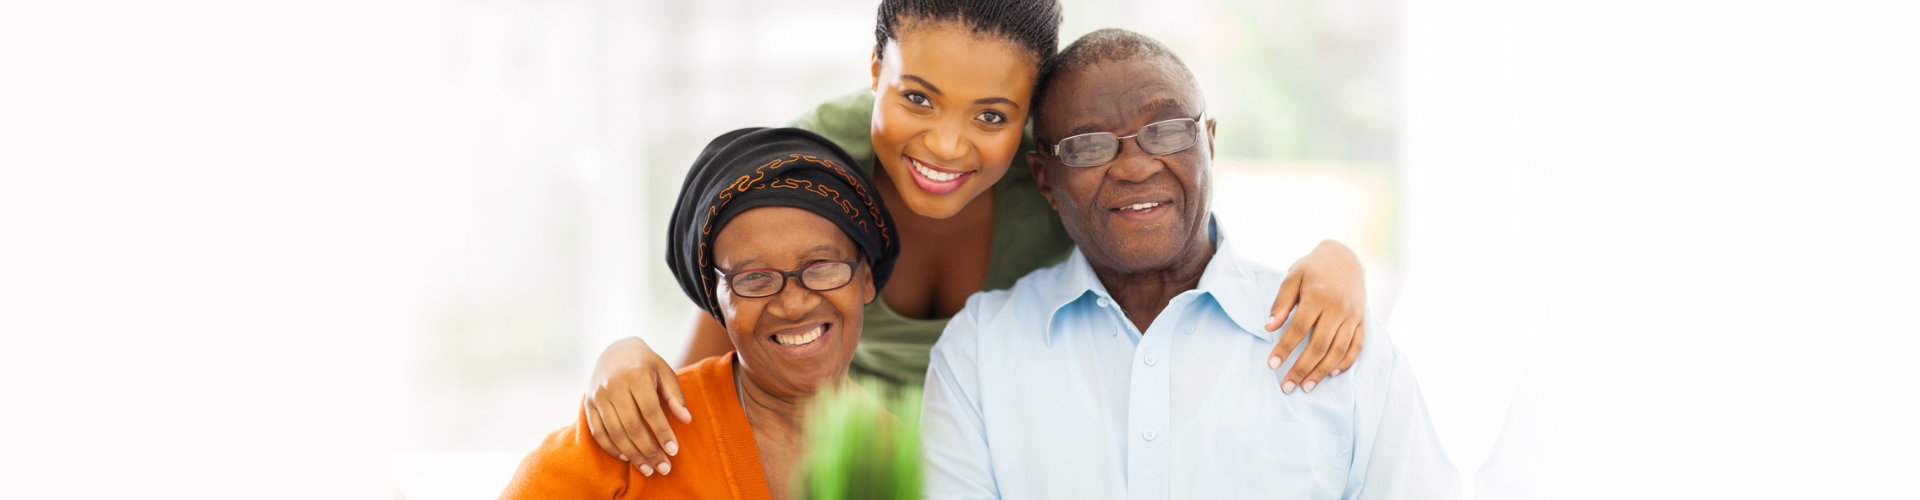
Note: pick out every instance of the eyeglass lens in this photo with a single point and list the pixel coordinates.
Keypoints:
(819, 277)
(1158, 138)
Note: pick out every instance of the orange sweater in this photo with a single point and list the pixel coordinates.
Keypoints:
(718, 458)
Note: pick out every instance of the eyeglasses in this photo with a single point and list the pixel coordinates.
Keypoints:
(1100, 148)
(819, 277)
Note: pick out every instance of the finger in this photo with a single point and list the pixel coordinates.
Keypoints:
(627, 419)
(659, 432)
(1283, 304)
(1353, 352)
(1295, 332)
(670, 391)
(596, 425)
(1337, 350)
(1318, 343)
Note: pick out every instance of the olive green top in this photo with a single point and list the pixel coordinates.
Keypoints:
(1026, 236)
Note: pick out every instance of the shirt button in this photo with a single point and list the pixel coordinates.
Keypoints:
(1149, 361)
(1189, 331)
(1103, 302)
(1147, 435)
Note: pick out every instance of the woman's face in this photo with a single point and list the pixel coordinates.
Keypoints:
(792, 342)
(948, 112)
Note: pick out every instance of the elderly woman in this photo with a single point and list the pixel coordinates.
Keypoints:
(783, 240)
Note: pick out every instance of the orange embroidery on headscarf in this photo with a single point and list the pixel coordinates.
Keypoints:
(753, 181)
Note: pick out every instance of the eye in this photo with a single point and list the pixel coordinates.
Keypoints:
(918, 99)
(991, 117)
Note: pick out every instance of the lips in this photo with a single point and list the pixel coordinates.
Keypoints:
(935, 180)
(1141, 208)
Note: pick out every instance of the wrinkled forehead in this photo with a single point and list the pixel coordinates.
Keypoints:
(1118, 96)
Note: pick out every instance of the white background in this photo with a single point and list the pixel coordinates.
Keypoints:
(1659, 249)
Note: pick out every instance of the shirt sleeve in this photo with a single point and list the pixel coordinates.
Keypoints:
(569, 465)
(952, 430)
(1397, 453)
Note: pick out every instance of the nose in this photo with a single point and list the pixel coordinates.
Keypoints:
(948, 140)
(1134, 164)
(794, 300)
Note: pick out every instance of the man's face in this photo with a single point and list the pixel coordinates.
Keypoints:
(1140, 212)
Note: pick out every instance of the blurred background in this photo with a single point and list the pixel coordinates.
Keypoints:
(371, 249)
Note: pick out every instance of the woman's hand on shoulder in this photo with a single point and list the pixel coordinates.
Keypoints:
(628, 399)
(1326, 293)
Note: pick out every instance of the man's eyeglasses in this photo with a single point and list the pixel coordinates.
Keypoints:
(819, 277)
(1100, 148)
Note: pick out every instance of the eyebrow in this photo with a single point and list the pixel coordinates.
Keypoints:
(923, 82)
(1152, 109)
(1161, 105)
(807, 254)
(997, 100)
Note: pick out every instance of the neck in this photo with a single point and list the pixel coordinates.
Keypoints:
(780, 415)
(1143, 294)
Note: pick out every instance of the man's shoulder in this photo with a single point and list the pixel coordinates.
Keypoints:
(993, 311)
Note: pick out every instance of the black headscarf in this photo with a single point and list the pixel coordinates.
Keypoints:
(759, 167)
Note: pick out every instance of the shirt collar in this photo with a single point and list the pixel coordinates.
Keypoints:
(1229, 280)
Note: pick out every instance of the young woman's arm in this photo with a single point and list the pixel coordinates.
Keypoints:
(632, 391)
(1326, 293)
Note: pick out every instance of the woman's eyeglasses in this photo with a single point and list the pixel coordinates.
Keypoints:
(819, 276)
(1100, 148)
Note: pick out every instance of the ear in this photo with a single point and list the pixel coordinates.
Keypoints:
(876, 72)
(1210, 134)
(867, 291)
(1036, 163)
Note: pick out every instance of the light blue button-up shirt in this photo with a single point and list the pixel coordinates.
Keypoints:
(1047, 391)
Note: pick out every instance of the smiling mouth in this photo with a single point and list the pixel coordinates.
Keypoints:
(935, 180)
(933, 173)
(1141, 207)
(802, 338)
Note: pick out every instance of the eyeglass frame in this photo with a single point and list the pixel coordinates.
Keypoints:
(725, 277)
(1199, 123)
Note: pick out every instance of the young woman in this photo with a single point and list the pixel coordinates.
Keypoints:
(942, 129)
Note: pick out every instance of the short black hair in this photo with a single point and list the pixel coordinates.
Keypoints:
(1110, 44)
(1031, 24)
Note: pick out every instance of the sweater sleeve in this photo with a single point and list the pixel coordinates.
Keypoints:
(569, 465)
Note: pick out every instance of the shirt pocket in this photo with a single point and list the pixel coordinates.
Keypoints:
(1284, 460)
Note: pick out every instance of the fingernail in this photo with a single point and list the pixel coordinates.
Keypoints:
(1286, 387)
(673, 448)
(1270, 320)
(1336, 371)
(665, 467)
(1308, 386)
(623, 458)
(646, 470)
(1273, 362)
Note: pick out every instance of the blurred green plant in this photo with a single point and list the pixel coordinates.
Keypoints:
(863, 446)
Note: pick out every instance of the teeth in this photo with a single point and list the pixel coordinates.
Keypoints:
(801, 339)
(1140, 206)
(936, 175)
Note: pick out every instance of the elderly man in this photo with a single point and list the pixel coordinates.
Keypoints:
(1133, 369)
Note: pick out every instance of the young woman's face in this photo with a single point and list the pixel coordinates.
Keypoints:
(948, 113)
(796, 340)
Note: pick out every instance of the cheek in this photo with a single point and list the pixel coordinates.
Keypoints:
(739, 316)
(997, 151)
(850, 303)
(892, 127)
